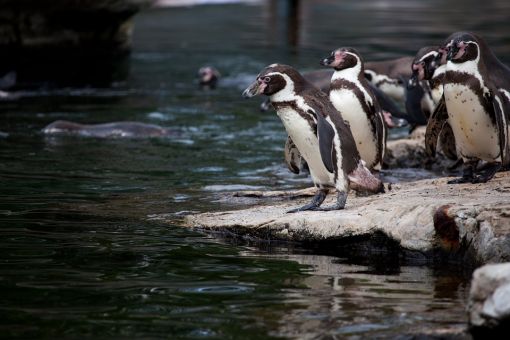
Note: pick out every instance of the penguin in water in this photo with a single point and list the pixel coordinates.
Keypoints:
(353, 97)
(476, 104)
(429, 65)
(319, 132)
(208, 77)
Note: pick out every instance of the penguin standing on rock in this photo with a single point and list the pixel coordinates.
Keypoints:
(476, 104)
(353, 97)
(430, 65)
(319, 132)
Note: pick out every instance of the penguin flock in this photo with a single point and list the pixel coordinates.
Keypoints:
(337, 119)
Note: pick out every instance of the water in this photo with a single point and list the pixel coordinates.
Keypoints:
(85, 250)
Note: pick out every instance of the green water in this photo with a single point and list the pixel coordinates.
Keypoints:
(85, 246)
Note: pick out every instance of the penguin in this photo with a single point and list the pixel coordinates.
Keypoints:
(208, 77)
(390, 76)
(429, 66)
(353, 97)
(107, 130)
(476, 104)
(319, 132)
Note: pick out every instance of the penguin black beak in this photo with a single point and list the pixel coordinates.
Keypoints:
(327, 61)
(253, 90)
(452, 51)
(413, 81)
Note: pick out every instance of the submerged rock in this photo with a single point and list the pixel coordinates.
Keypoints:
(489, 300)
(107, 130)
(426, 219)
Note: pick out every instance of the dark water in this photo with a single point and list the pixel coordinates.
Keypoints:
(84, 247)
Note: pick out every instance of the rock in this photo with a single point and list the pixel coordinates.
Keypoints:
(428, 219)
(489, 299)
(410, 153)
(44, 40)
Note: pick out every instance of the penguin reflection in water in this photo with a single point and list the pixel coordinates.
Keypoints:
(476, 104)
(319, 132)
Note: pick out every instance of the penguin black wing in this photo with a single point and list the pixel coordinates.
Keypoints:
(325, 134)
(434, 126)
(413, 98)
(501, 110)
(292, 156)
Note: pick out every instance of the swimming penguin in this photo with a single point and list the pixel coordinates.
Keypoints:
(208, 77)
(353, 97)
(318, 130)
(107, 130)
(476, 104)
(429, 65)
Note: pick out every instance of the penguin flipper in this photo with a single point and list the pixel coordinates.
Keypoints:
(292, 156)
(325, 134)
(502, 122)
(434, 127)
(413, 97)
(447, 140)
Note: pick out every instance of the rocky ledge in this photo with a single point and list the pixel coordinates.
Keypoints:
(421, 219)
(426, 219)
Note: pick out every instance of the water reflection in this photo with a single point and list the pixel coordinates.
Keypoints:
(354, 300)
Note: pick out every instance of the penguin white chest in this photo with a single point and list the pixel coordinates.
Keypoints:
(436, 93)
(307, 143)
(475, 134)
(352, 111)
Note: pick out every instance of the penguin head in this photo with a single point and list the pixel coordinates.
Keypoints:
(342, 58)
(462, 47)
(208, 76)
(274, 79)
(424, 64)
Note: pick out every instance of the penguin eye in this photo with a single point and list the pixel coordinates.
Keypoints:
(267, 79)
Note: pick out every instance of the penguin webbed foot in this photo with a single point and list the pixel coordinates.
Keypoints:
(467, 173)
(487, 173)
(317, 200)
(461, 180)
(341, 198)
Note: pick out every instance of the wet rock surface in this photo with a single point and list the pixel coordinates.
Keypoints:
(428, 219)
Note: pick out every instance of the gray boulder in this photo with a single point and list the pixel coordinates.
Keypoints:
(489, 299)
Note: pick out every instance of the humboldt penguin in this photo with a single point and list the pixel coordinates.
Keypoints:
(476, 104)
(429, 66)
(391, 77)
(208, 77)
(353, 97)
(319, 132)
(107, 130)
